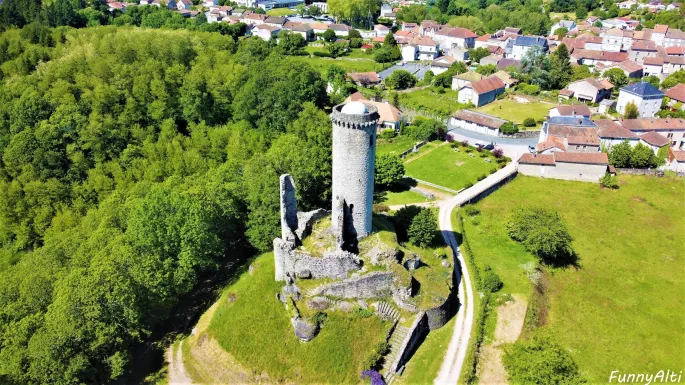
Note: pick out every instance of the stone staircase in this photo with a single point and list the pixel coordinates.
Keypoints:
(395, 344)
(387, 312)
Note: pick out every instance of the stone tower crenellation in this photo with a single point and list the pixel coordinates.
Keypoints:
(354, 159)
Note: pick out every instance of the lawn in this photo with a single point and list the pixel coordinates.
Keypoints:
(510, 109)
(622, 308)
(255, 329)
(445, 167)
(396, 145)
(398, 194)
(281, 12)
(350, 64)
(431, 102)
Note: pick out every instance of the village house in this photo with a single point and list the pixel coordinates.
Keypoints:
(593, 58)
(442, 64)
(674, 38)
(505, 63)
(266, 32)
(410, 27)
(676, 161)
(275, 21)
(677, 96)
(481, 92)
(653, 66)
(654, 141)
(491, 59)
(421, 48)
(506, 78)
(183, 5)
(577, 133)
(646, 97)
(448, 38)
(477, 122)
(381, 30)
(630, 68)
(671, 128)
(590, 89)
(517, 49)
(612, 41)
(611, 133)
(341, 30)
(389, 116)
(301, 29)
(673, 64)
(254, 19)
(574, 110)
(364, 79)
(466, 78)
(592, 42)
(642, 49)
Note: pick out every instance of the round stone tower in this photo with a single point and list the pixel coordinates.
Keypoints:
(354, 159)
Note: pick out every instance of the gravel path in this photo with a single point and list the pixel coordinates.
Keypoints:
(177, 372)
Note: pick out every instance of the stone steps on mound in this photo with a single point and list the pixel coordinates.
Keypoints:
(387, 311)
(395, 341)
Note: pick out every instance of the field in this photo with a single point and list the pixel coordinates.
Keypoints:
(445, 167)
(350, 64)
(622, 308)
(281, 12)
(255, 329)
(510, 109)
(429, 102)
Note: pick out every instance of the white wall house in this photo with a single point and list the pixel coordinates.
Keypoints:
(523, 44)
(590, 89)
(476, 122)
(646, 97)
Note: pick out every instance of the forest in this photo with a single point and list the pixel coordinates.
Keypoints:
(132, 162)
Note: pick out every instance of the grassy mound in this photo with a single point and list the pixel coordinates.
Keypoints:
(253, 326)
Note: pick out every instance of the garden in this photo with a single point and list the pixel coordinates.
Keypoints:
(518, 112)
(612, 306)
(432, 101)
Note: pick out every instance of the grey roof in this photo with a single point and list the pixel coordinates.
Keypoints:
(531, 41)
(643, 89)
(575, 121)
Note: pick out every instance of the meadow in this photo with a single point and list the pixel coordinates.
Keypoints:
(621, 307)
(516, 112)
(429, 101)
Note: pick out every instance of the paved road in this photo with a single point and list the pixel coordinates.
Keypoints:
(512, 148)
(451, 367)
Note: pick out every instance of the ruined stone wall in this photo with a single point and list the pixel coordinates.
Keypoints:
(437, 317)
(417, 333)
(376, 284)
(334, 265)
(354, 159)
(288, 208)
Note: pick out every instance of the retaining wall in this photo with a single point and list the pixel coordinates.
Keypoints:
(417, 333)
(376, 284)
(637, 171)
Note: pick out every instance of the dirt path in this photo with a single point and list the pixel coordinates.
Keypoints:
(177, 372)
(510, 317)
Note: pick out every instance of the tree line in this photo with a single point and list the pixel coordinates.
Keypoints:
(132, 162)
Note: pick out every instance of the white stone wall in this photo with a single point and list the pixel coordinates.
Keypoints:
(473, 127)
(468, 95)
(565, 171)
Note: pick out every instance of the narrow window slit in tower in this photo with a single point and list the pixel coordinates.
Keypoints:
(370, 140)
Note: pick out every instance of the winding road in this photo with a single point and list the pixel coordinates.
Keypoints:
(451, 367)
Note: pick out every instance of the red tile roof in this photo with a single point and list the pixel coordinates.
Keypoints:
(600, 55)
(655, 139)
(660, 28)
(461, 33)
(575, 135)
(679, 156)
(488, 84)
(479, 118)
(655, 61)
(675, 51)
(600, 158)
(543, 159)
(551, 142)
(609, 129)
(364, 77)
(654, 124)
(677, 92)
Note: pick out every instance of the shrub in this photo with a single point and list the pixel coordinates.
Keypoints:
(380, 208)
(388, 134)
(484, 154)
(481, 177)
(490, 280)
(529, 122)
(468, 185)
(422, 231)
(497, 153)
(509, 128)
(609, 181)
(322, 54)
(389, 169)
(374, 376)
(360, 312)
(479, 148)
(542, 232)
(403, 219)
(540, 361)
(464, 143)
(471, 210)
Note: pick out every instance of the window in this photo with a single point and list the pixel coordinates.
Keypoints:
(351, 209)
(670, 135)
(371, 140)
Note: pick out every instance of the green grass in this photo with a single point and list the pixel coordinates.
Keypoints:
(396, 145)
(402, 197)
(350, 64)
(256, 331)
(428, 101)
(424, 366)
(352, 53)
(622, 309)
(281, 12)
(517, 112)
(445, 167)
